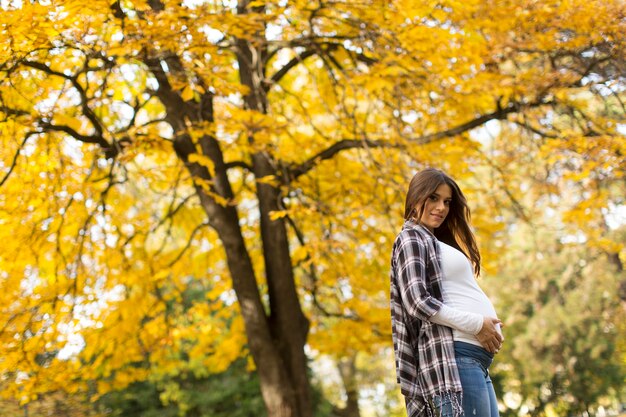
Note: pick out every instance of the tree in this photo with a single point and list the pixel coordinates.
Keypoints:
(556, 280)
(232, 393)
(256, 148)
(562, 312)
(52, 404)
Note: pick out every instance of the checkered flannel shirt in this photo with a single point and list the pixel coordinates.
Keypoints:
(424, 351)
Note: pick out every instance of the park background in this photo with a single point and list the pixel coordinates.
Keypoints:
(198, 199)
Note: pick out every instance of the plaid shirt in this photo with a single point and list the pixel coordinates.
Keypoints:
(424, 351)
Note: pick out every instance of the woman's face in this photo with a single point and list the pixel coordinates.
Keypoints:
(436, 207)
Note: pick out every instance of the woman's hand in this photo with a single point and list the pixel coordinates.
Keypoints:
(489, 335)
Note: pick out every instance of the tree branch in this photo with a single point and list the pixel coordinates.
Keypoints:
(13, 112)
(313, 291)
(110, 150)
(296, 171)
(238, 164)
(89, 114)
(501, 113)
(165, 91)
(189, 242)
(529, 127)
(313, 47)
(17, 154)
(278, 75)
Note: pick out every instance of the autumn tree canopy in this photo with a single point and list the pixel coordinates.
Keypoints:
(184, 184)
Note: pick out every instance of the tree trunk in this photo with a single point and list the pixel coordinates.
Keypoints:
(347, 370)
(275, 342)
(288, 325)
(270, 340)
(279, 392)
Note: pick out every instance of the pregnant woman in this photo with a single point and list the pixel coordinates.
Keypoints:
(445, 329)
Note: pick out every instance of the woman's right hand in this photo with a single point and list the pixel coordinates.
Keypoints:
(489, 335)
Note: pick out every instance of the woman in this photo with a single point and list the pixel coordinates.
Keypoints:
(445, 329)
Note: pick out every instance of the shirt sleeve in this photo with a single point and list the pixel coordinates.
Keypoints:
(463, 321)
(411, 258)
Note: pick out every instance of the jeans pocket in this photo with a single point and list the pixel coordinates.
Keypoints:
(466, 363)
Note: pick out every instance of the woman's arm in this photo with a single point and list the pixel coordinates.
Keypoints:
(486, 329)
(460, 320)
(410, 264)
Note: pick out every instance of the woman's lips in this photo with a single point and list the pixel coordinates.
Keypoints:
(437, 216)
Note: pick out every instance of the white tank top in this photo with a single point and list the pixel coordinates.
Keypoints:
(461, 291)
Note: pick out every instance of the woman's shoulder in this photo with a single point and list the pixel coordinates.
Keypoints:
(412, 232)
(413, 242)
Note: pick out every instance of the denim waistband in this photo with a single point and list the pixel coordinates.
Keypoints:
(469, 350)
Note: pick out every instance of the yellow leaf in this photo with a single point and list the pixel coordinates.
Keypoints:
(187, 93)
(277, 214)
(203, 160)
(268, 179)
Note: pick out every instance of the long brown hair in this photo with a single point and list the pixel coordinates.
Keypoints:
(455, 229)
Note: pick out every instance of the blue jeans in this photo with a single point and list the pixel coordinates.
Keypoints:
(479, 397)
